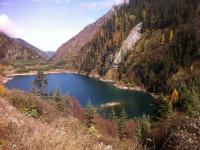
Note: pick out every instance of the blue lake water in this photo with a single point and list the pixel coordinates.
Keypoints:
(84, 88)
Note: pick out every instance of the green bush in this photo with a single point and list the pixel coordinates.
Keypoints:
(189, 101)
(33, 112)
(144, 127)
(90, 113)
(165, 107)
(122, 123)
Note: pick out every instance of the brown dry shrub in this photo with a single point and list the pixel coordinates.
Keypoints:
(3, 91)
(78, 111)
(22, 101)
(17, 131)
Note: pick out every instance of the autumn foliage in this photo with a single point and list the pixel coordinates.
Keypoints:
(3, 91)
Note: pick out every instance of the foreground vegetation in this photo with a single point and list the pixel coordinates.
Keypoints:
(63, 122)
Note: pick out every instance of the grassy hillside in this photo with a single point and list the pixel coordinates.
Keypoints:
(34, 122)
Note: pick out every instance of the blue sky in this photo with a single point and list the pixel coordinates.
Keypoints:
(49, 23)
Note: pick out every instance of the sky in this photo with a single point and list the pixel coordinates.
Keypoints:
(47, 24)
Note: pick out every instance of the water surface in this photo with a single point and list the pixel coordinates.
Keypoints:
(84, 88)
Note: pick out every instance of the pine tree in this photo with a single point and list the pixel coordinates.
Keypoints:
(165, 107)
(144, 127)
(113, 116)
(122, 124)
(90, 113)
(57, 95)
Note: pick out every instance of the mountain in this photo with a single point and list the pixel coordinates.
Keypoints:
(18, 49)
(148, 44)
(69, 50)
(50, 54)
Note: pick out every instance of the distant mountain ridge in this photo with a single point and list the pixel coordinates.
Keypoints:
(50, 54)
(18, 49)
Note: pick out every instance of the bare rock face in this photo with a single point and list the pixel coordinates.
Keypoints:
(69, 50)
(130, 41)
(18, 49)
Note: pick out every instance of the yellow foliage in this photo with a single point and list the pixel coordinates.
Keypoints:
(144, 14)
(102, 33)
(171, 35)
(1, 69)
(191, 69)
(175, 95)
(117, 37)
(162, 40)
(92, 130)
(3, 91)
(131, 18)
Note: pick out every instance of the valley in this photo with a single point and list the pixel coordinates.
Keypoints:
(129, 80)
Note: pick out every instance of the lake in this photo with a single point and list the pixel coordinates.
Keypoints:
(84, 88)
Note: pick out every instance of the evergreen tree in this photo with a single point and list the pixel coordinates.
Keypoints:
(57, 95)
(144, 127)
(165, 107)
(122, 124)
(40, 84)
(190, 101)
(113, 116)
(90, 113)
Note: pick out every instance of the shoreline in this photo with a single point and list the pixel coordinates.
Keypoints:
(113, 82)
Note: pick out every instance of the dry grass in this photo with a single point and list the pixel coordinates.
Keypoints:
(17, 131)
(57, 125)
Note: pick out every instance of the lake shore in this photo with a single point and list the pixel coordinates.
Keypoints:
(4, 80)
(115, 83)
(8, 77)
(57, 71)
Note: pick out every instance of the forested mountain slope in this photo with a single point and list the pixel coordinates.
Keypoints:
(71, 48)
(169, 45)
(18, 49)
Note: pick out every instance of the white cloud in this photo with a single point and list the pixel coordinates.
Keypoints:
(9, 27)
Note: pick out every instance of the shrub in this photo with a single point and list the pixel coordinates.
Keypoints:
(64, 105)
(1, 69)
(144, 127)
(78, 111)
(122, 122)
(33, 112)
(1, 144)
(190, 102)
(113, 116)
(90, 112)
(165, 107)
(57, 95)
(92, 130)
(3, 91)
